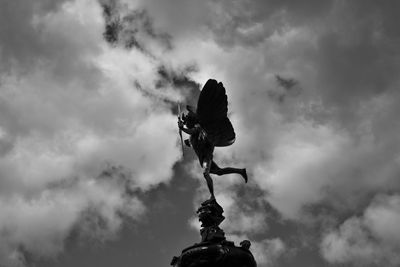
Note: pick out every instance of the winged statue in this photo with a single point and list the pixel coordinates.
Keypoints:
(208, 126)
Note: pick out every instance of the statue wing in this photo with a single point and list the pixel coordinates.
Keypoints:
(212, 113)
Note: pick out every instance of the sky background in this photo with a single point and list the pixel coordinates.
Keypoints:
(91, 169)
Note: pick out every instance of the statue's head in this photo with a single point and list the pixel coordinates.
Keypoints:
(190, 119)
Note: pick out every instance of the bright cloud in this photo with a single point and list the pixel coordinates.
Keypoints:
(77, 136)
(370, 239)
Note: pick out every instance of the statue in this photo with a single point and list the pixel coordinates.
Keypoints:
(209, 127)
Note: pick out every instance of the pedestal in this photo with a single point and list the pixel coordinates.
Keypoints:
(214, 250)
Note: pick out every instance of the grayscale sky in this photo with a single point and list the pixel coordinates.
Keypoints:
(91, 169)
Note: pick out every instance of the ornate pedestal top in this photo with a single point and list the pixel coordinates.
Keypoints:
(214, 250)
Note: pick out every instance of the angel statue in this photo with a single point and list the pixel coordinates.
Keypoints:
(209, 127)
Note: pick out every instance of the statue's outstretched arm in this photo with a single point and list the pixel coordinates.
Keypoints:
(186, 130)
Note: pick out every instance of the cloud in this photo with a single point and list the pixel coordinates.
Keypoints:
(334, 143)
(40, 224)
(131, 28)
(367, 240)
(72, 104)
(241, 217)
(245, 220)
(78, 139)
(268, 251)
(20, 42)
(333, 137)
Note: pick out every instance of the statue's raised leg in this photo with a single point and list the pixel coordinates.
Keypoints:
(215, 169)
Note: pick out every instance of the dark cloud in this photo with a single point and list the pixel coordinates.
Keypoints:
(180, 80)
(286, 87)
(141, 19)
(32, 34)
(19, 38)
(113, 24)
(131, 28)
(250, 23)
(134, 29)
(356, 59)
(286, 83)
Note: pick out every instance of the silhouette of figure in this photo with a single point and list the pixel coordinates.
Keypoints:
(209, 127)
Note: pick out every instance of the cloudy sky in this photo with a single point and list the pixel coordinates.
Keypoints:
(91, 171)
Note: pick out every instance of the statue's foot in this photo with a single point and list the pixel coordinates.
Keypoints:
(244, 175)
